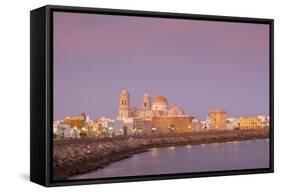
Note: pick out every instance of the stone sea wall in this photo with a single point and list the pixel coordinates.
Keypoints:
(77, 156)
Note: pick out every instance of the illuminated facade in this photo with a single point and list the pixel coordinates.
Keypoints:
(172, 124)
(76, 121)
(218, 119)
(250, 123)
(159, 107)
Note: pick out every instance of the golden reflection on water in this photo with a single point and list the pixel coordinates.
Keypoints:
(215, 144)
(172, 148)
(233, 142)
(189, 146)
(154, 152)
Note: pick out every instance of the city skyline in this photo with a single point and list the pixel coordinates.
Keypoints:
(198, 65)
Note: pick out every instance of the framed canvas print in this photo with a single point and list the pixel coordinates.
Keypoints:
(121, 95)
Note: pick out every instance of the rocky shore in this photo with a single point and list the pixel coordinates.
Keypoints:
(78, 156)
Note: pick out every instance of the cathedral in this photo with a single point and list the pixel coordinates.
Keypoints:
(158, 107)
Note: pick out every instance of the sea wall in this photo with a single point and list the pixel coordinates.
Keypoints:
(77, 156)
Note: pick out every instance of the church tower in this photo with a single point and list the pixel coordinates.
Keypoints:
(124, 105)
(146, 102)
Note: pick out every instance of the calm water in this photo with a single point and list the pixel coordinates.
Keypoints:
(190, 158)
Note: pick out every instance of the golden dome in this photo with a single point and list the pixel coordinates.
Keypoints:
(160, 99)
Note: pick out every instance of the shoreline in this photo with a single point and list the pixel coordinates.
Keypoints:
(84, 156)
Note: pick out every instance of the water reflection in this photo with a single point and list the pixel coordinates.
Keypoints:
(172, 148)
(154, 152)
(190, 158)
(215, 144)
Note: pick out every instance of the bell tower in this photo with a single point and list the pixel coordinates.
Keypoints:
(146, 102)
(124, 105)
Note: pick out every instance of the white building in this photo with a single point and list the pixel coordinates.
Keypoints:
(106, 122)
(55, 125)
(206, 123)
(196, 125)
(230, 123)
(117, 127)
(67, 132)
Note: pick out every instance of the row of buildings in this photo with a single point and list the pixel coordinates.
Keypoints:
(154, 116)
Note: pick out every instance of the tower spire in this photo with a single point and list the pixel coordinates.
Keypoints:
(124, 105)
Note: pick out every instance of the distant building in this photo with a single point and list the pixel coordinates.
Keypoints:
(231, 123)
(55, 126)
(264, 121)
(218, 119)
(76, 121)
(65, 131)
(156, 108)
(207, 123)
(146, 127)
(250, 123)
(137, 126)
(171, 124)
(196, 125)
(142, 126)
(117, 127)
(106, 122)
(154, 116)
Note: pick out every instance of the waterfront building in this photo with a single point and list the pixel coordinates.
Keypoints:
(55, 126)
(142, 126)
(71, 127)
(65, 131)
(76, 121)
(124, 105)
(149, 109)
(231, 123)
(196, 125)
(156, 112)
(218, 119)
(158, 107)
(117, 127)
(168, 124)
(250, 123)
(146, 127)
(264, 121)
(123, 127)
(137, 126)
(207, 123)
(106, 122)
(100, 129)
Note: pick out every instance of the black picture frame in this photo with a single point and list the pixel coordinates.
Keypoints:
(41, 99)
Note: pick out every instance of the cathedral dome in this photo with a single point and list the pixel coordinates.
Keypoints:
(175, 111)
(160, 103)
(160, 99)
